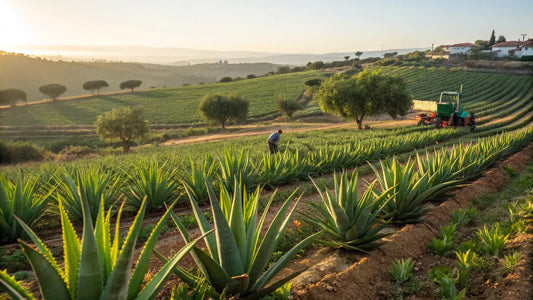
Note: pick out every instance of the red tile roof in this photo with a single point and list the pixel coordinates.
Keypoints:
(508, 44)
(463, 45)
(528, 43)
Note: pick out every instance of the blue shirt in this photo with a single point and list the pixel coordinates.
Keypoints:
(274, 137)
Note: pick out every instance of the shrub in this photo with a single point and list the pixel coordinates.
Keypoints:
(225, 79)
(20, 151)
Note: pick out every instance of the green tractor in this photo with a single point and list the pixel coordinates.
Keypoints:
(450, 111)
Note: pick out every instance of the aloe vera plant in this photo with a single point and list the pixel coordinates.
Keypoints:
(353, 222)
(91, 184)
(239, 166)
(409, 190)
(155, 182)
(97, 266)
(238, 254)
(401, 270)
(493, 239)
(196, 176)
(18, 199)
(283, 168)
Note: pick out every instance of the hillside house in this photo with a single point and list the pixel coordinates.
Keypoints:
(503, 49)
(461, 48)
(525, 49)
(445, 51)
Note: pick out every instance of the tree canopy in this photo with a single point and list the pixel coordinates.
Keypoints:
(11, 96)
(53, 90)
(358, 54)
(492, 39)
(362, 95)
(95, 85)
(288, 106)
(122, 124)
(130, 84)
(501, 39)
(220, 108)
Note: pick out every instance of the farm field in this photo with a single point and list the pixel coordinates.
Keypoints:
(162, 106)
(432, 163)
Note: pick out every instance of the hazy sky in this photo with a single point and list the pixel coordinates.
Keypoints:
(290, 26)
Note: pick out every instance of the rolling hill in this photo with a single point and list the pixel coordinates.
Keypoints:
(163, 105)
(27, 73)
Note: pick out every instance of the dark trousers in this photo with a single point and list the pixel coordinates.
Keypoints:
(273, 148)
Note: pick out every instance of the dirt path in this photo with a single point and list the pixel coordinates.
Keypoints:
(253, 130)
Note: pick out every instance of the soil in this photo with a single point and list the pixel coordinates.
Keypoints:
(367, 277)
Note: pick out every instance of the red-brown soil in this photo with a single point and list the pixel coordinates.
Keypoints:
(367, 277)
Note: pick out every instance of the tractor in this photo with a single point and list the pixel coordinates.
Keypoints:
(449, 112)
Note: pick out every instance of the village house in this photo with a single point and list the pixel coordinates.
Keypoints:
(445, 51)
(502, 49)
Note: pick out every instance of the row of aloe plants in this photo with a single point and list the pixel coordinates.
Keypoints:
(235, 262)
(161, 182)
(400, 192)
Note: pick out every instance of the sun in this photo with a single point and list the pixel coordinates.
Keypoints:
(13, 30)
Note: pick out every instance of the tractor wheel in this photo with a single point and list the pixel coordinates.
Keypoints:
(437, 123)
(460, 122)
(421, 123)
(473, 123)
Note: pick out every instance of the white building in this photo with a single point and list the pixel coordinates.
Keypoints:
(502, 49)
(526, 49)
(460, 48)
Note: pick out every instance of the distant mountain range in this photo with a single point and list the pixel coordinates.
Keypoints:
(185, 56)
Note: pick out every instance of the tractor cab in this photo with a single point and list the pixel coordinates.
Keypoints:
(450, 103)
(450, 111)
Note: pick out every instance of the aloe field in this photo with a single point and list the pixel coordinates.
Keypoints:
(225, 219)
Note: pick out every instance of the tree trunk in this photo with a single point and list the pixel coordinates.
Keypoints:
(223, 125)
(359, 124)
(126, 146)
(132, 89)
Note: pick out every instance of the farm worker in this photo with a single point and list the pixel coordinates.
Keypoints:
(273, 140)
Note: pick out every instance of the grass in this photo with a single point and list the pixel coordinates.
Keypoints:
(162, 106)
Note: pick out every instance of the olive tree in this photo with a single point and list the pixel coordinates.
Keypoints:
(95, 85)
(362, 95)
(53, 90)
(288, 106)
(12, 96)
(122, 124)
(220, 108)
(130, 84)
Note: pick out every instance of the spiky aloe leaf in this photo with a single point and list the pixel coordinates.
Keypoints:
(118, 282)
(90, 273)
(236, 221)
(276, 268)
(143, 261)
(204, 225)
(41, 247)
(51, 284)
(187, 277)
(71, 250)
(228, 251)
(13, 288)
(151, 289)
(270, 241)
(271, 288)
